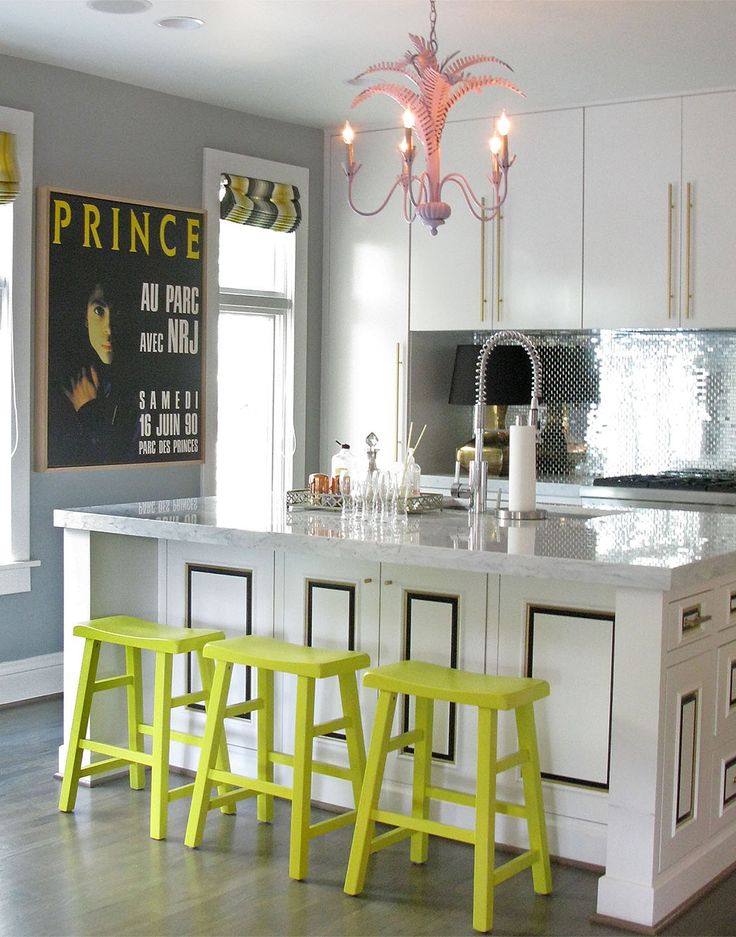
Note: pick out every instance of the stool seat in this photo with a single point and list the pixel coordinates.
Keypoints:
(417, 678)
(285, 657)
(308, 664)
(146, 635)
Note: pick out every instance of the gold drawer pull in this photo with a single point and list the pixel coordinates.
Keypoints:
(732, 603)
(388, 582)
(368, 580)
(692, 619)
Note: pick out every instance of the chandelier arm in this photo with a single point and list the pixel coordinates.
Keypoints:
(384, 203)
(409, 213)
(423, 189)
(486, 213)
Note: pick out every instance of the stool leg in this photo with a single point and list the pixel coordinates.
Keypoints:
(364, 823)
(206, 671)
(485, 821)
(214, 730)
(302, 784)
(264, 727)
(80, 719)
(353, 732)
(532, 779)
(422, 777)
(161, 739)
(134, 693)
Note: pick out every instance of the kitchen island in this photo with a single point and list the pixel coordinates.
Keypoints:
(630, 615)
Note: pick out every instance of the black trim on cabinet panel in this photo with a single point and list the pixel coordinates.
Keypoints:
(348, 587)
(732, 686)
(454, 602)
(246, 574)
(728, 798)
(574, 613)
(687, 699)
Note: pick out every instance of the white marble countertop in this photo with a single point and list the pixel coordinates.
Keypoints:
(639, 548)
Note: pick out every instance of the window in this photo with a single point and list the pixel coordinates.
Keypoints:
(15, 363)
(256, 344)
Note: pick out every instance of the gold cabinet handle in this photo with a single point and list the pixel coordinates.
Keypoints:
(368, 580)
(691, 619)
(483, 300)
(688, 249)
(670, 289)
(388, 582)
(499, 297)
(398, 391)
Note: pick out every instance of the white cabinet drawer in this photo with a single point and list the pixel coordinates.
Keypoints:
(723, 789)
(725, 726)
(725, 606)
(690, 619)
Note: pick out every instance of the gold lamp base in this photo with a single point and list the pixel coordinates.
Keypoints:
(495, 443)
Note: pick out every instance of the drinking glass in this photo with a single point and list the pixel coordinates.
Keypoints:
(345, 492)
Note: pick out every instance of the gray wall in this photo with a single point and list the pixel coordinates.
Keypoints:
(108, 138)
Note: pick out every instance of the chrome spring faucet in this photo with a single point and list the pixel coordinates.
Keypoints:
(478, 468)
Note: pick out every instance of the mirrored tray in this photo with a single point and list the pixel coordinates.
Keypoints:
(303, 499)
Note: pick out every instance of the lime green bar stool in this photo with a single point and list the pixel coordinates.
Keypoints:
(427, 683)
(309, 664)
(137, 635)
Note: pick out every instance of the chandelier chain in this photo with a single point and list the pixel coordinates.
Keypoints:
(433, 27)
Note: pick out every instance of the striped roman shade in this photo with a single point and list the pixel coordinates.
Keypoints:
(9, 172)
(260, 203)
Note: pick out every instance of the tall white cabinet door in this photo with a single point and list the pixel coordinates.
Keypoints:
(708, 158)
(631, 254)
(438, 616)
(448, 269)
(365, 323)
(538, 240)
(337, 607)
(224, 587)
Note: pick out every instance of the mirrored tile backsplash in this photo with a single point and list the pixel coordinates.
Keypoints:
(615, 402)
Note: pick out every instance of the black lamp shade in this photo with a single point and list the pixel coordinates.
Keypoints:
(508, 375)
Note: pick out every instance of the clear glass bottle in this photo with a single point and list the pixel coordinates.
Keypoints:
(413, 476)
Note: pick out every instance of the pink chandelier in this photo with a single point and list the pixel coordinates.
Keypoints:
(436, 90)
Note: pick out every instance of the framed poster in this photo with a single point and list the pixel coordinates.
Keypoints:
(119, 338)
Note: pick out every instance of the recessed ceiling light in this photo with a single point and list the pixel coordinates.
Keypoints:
(180, 22)
(120, 6)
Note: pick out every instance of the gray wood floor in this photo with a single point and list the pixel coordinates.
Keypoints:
(96, 872)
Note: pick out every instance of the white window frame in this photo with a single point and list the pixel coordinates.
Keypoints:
(215, 163)
(15, 571)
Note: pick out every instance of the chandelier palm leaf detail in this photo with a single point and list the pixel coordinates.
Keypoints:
(434, 89)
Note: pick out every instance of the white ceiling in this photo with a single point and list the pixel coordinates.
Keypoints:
(290, 59)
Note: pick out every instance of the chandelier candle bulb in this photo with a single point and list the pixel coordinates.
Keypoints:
(348, 136)
(522, 468)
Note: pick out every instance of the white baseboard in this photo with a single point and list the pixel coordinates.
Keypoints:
(31, 678)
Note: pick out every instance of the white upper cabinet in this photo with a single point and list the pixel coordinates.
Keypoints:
(447, 269)
(538, 241)
(366, 291)
(632, 198)
(525, 270)
(709, 243)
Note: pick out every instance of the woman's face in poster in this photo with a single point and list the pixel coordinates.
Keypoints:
(99, 325)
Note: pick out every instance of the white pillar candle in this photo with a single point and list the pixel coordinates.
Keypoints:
(522, 468)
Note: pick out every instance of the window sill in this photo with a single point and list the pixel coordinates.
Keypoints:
(16, 577)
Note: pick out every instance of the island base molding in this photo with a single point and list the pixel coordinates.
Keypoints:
(648, 909)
